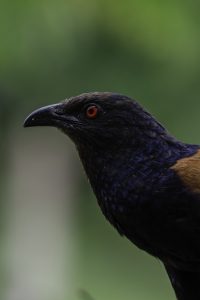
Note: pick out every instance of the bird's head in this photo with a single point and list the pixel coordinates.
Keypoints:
(99, 120)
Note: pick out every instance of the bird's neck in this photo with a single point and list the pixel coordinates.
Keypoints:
(105, 162)
(115, 175)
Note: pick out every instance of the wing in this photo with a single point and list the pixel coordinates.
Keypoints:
(188, 170)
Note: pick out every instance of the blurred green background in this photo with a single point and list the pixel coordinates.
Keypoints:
(54, 242)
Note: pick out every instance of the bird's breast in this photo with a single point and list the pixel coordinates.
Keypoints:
(124, 194)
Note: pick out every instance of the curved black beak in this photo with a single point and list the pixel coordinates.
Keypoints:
(45, 116)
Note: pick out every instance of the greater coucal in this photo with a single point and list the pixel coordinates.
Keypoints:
(147, 183)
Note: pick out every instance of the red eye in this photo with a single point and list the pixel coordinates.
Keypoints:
(92, 111)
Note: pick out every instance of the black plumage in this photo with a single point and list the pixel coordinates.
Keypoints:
(147, 183)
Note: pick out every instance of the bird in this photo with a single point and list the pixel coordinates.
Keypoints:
(146, 182)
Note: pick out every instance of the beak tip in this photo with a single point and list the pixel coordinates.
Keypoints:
(28, 121)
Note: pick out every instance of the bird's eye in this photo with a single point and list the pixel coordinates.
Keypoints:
(92, 111)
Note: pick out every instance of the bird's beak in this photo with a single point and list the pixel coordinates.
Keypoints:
(46, 116)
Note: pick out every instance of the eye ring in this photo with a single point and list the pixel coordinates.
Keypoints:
(92, 111)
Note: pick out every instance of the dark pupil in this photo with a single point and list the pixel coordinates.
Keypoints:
(91, 111)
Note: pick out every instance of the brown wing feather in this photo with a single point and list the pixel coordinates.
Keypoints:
(188, 169)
